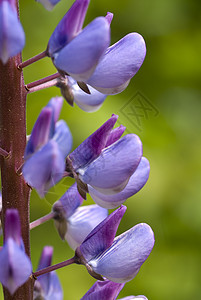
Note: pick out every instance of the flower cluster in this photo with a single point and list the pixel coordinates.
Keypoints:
(108, 165)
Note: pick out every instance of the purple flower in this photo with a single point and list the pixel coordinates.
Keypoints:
(72, 49)
(104, 290)
(47, 286)
(49, 144)
(74, 223)
(15, 264)
(12, 38)
(119, 64)
(105, 162)
(118, 259)
(135, 184)
(48, 4)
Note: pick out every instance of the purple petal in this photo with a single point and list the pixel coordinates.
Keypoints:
(12, 38)
(102, 236)
(111, 171)
(45, 261)
(119, 64)
(91, 148)
(103, 290)
(140, 297)
(12, 226)
(136, 182)
(122, 260)
(45, 168)
(15, 266)
(69, 202)
(115, 135)
(87, 102)
(63, 137)
(80, 57)
(48, 4)
(82, 222)
(68, 27)
(55, 291)
(56, 104)
(109, 17)
(41, 132)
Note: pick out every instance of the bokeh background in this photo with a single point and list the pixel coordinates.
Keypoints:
(168, 86)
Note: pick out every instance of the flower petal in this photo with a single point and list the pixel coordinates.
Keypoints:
(91, 148)
(12, 226)
(110, 172)
(48, 4)
(68, 27)
(87, 102)
(103, 290)
(119, 64)
(15, 266)
(102, 236)
(80, 57)
(115, 135)
(140, 297)
(12, 38)
(109, 17)
(56, 104)
(69, 202)
(82, 222)
(122, 260)
(45, 168)
(63, 137)
(41, 133)
(45, 261)
(136, 182)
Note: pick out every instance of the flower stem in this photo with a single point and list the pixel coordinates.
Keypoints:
(55, 267)
(4, 153)
(42, 220)
(32, 60)
(41, 81)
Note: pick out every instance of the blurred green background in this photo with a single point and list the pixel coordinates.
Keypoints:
(168, 84)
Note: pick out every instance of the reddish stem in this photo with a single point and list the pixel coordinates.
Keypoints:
(41, 81)
(55, 267)
(32, 60)
(41, 220)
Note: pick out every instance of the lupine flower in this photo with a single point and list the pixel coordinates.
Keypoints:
(118, 259)
(105, 162)
(15, 264)
(47, 286)
(135, 184)
(104, 290)
(48, 4)
(107, 69)
(72, 49)
(49, 144)
(74, 223)
(12, 38)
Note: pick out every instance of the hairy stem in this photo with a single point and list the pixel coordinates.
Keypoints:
(15, 192)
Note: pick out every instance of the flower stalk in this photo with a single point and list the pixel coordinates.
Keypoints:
(42, 220)
(55, 267)
(32, 60)
(15, 192)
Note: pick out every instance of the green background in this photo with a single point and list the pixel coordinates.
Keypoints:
(168, 83)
